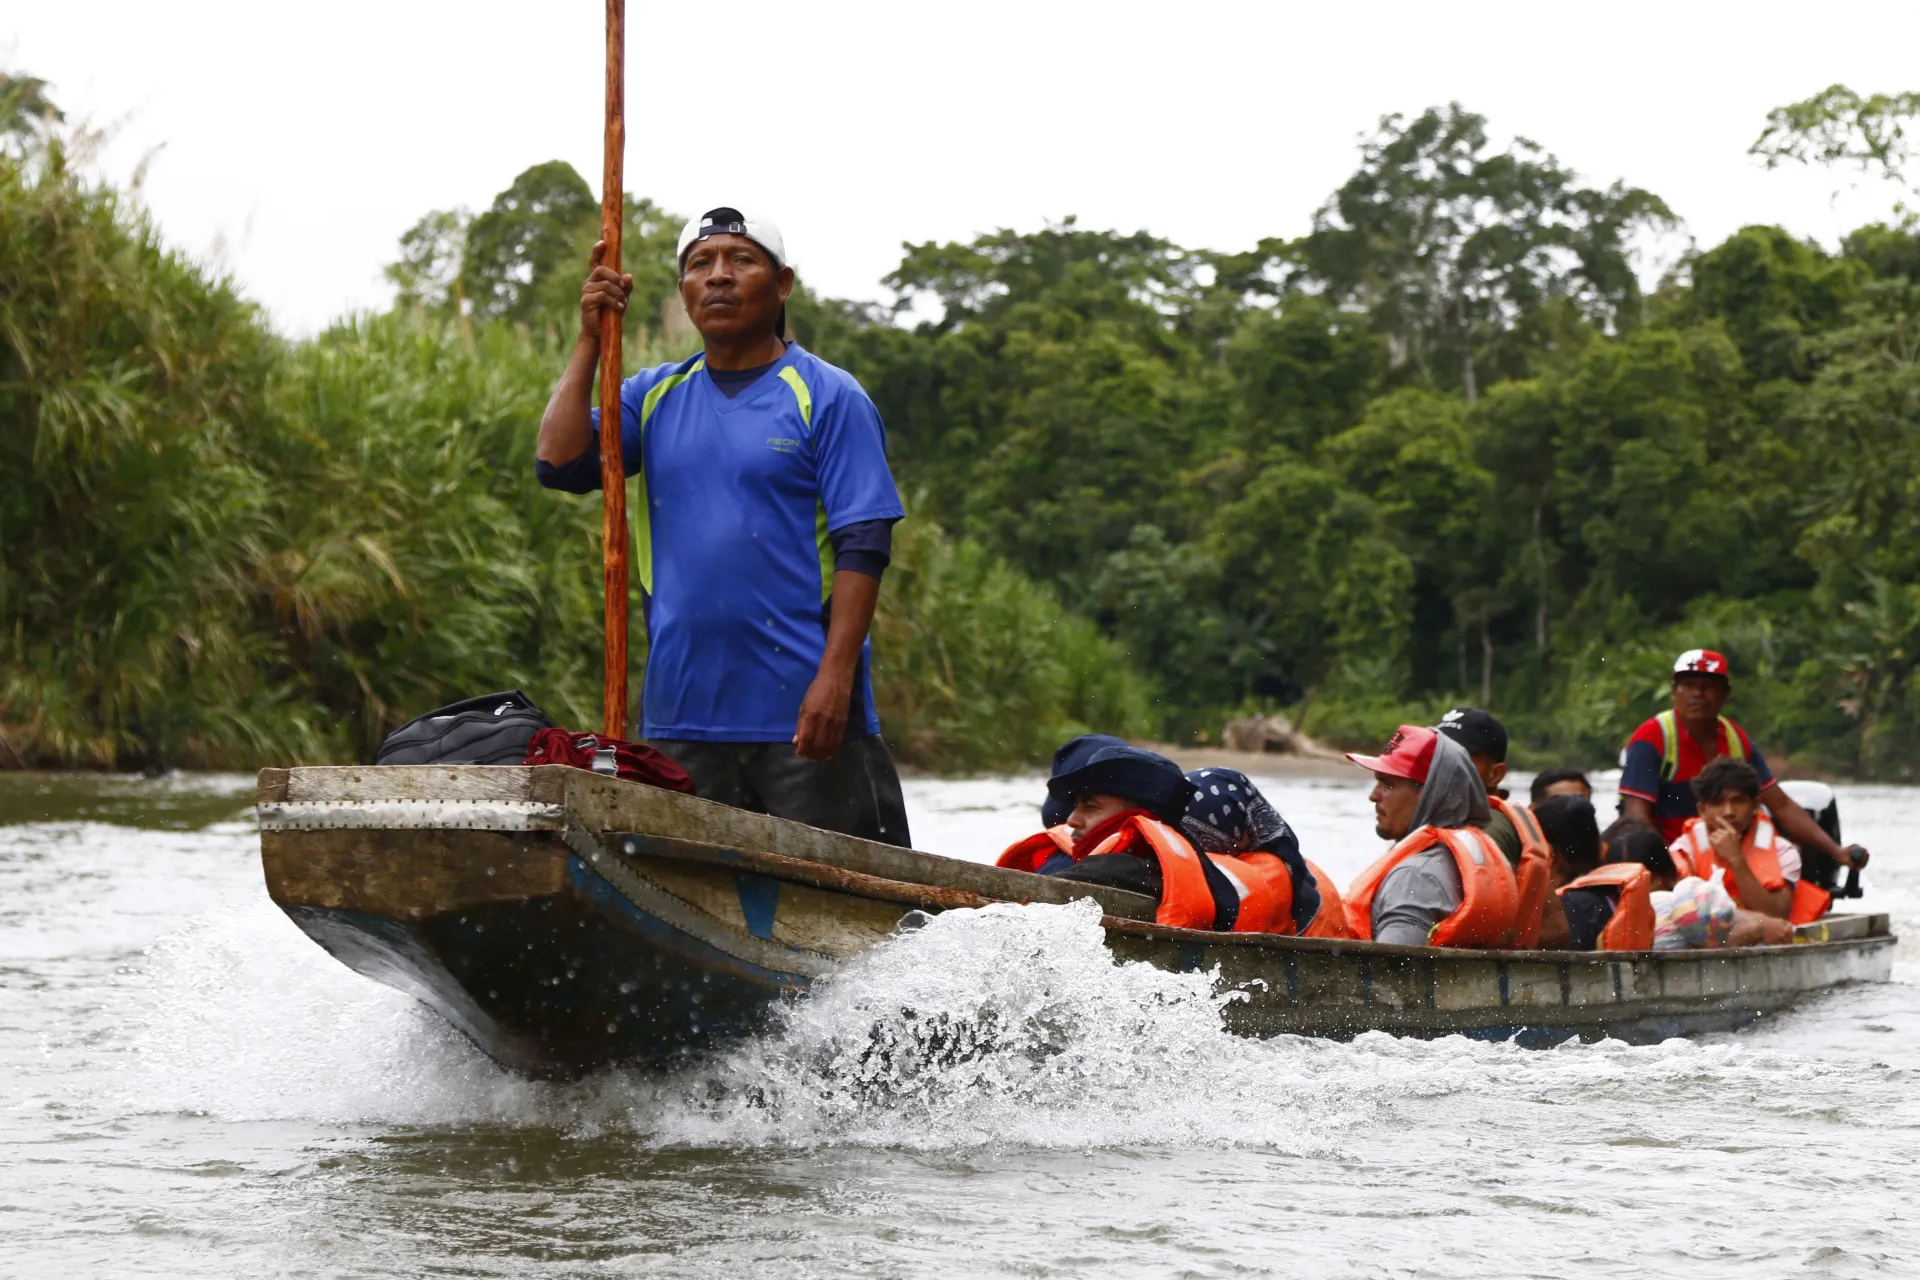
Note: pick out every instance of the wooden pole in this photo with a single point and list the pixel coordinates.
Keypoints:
(613, 472)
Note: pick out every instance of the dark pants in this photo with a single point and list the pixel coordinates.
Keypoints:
(856, 793)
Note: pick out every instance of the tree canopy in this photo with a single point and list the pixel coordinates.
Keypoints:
(1440, 448)
(1840, 127)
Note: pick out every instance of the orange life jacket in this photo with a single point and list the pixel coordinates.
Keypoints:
(1489, 895)
(1693, 855)
(1631, 926)
(1261, 880)
(1331, 920)
(1531, 880)
(1032, 853)
(1810, 902)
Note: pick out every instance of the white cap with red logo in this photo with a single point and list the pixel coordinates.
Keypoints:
(1701, 662)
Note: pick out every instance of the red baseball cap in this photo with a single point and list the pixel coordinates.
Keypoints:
(1702, 662)
(1409, 754)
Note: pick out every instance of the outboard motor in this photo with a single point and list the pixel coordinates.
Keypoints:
(1823, 806)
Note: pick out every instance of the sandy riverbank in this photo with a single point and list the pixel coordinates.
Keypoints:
(1266, 764)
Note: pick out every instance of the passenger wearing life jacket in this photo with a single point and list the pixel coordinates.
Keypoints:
(1126, 804)
(1633, 855)
(1050, 850)
(1229, 815)
(1732, 831)
(1574, 832)
(1540, 922)
(1667, 752)
(1444, 883)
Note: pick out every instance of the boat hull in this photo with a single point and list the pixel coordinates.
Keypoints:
(565, 922)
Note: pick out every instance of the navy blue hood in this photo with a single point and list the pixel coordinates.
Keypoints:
(1113, 768)
(1073, 754)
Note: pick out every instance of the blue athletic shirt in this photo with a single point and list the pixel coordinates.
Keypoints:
(732, 515)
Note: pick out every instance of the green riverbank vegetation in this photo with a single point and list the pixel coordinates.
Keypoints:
(1443, 447)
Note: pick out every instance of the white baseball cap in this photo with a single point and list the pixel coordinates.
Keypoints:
(727, 220)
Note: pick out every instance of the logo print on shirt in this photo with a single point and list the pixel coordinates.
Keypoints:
(781, 444)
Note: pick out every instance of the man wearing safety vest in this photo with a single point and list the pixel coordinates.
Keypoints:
(1123, 807)
(1666, 753)
(1444, 883)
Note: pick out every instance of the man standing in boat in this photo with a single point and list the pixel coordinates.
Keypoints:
(1665, 754)
(764, 519)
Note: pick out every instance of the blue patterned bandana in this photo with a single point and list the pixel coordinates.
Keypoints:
(1229, 815)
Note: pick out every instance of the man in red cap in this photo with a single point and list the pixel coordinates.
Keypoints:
(1664, 755)
(1444, 882)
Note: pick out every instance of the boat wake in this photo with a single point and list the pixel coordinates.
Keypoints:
(1003, 1025)
(1007, 1026)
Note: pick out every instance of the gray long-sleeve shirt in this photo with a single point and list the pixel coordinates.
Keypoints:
(1417, 895)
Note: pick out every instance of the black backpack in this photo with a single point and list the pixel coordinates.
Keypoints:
(491, 729)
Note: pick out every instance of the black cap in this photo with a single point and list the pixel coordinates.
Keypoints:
(1147, 778)
(1476, 730)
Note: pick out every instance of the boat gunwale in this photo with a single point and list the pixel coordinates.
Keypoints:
(581, 791)
(795, 870)
(274, 785)
(1359, 946)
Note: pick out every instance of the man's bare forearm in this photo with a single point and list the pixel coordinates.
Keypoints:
(854, 597)
(824, 710)
(566, 429)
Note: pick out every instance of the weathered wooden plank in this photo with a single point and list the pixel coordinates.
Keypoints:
(795, 871)
(1468, 996)
(831, 923)
(1464, 983)
(1590, 986)
(1834, 928)
(413, 876)
(412, 782)
(1533, 984)
(603, 804)
(610, 805)
(411, 815)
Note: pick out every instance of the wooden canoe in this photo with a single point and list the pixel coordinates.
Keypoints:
(565, 921)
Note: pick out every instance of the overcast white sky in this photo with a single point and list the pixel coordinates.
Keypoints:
(299, 141)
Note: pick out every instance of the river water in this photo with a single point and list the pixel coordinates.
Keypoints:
(188, 1087)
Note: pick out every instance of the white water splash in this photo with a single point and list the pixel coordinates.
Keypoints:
(1004, 1027)
(242, 1017)
(1007, 1025)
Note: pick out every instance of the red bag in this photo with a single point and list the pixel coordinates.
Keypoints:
(615, 757)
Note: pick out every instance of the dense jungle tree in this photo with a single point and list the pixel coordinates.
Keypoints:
(1439, 448)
